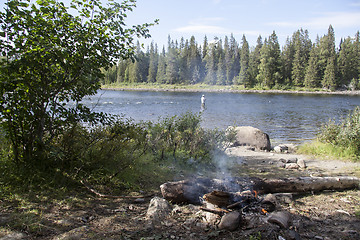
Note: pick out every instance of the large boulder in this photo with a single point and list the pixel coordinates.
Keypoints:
(250, 136)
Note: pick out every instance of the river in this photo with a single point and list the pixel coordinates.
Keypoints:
(285, 117)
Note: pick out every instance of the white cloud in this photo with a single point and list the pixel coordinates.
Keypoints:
(336, 19)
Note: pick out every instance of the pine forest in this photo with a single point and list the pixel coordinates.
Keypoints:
(299, 63)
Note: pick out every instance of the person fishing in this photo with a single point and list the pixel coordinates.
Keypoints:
(203, 99)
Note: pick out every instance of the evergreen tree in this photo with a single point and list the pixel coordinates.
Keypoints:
(221, 71)
(347, 62)
(327, 53)
(205, 47)
(244, 76)
(329, 81)
(269, 68)
(234, 63)
(302, 47)
(211, 63)
(194, 62)
(153, 63)
(172, 65)
(254, 61)
(161, 70)
(287, 58)
(312, 79)
(183, 61)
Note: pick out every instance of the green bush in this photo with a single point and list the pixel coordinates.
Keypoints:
(120, 154)
(345, 135)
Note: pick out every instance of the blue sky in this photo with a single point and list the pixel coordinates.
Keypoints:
(184, 18)
(253, 18)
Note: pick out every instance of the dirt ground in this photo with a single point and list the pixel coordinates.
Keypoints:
(325, 215)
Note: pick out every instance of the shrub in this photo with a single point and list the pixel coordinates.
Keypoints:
(345, 135)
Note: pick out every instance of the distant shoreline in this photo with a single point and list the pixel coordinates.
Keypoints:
(179, 89)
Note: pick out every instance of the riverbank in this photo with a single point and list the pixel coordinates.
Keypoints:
(225, 89)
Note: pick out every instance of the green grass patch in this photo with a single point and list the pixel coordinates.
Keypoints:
(328, 151)
(204, 87)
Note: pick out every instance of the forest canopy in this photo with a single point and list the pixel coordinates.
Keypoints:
(299, 63)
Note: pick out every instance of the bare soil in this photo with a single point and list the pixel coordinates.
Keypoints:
(324, 215)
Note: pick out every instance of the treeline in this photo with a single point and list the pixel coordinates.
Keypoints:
(300, 63)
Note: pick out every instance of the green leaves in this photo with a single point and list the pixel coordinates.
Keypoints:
(54, 57)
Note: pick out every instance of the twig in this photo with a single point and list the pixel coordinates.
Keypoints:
(111, 196)
(218, 211)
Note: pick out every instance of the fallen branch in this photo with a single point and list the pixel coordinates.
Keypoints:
(190, 191)
(306, 184)
(91, 189)
(218, 211)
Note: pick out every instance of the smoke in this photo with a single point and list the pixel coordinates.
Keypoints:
(225, 166)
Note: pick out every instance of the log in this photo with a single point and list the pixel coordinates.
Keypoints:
(219, 198)
(192, 190)
(306, 184)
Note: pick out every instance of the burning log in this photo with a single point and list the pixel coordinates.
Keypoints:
(218, 198)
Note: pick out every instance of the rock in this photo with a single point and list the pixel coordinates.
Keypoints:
(158, 208)
(291, 148)
(292, 160)
(301, 163)
(280, 218)
(277, 149)
(14, 236)
(230, 221)
(269, 202)
(284, 197)
(211, 218)
(280, 164)
(292, 166)
(280, 148)
(250, 136)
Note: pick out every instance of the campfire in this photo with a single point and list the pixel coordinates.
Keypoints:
(235, 202)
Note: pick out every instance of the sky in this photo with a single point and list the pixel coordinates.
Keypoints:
(220, 18)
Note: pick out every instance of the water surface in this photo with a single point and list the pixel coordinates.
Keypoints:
(285, 117)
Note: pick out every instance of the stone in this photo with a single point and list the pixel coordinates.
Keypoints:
(158, 208)
(250, 136)
(292, 166)
(280, 218)
(301, 163)
(280, 148)
(269, 202)
(230, 221)
(292, 160)
(14, 236)
(277, 149)
(284, 197)
(210, 218)
(280, 164)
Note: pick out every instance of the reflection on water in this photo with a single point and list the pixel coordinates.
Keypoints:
(285, 117)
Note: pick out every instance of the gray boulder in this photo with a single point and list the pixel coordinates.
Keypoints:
(158, 209)
(250, 136)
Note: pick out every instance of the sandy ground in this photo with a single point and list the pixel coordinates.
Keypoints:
(315, 166)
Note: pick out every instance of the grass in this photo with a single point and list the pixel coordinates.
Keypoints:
(199, 87)
(327, 151)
